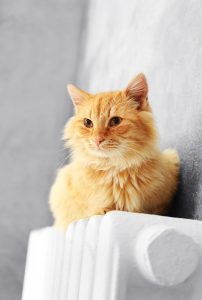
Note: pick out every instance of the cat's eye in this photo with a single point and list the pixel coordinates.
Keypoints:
(114, 121)
(88, 123)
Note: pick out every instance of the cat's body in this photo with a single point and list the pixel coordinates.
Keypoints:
(116, 161)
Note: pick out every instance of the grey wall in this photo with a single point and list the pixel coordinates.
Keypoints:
(40, 51)
(163, 39)
(39, 43)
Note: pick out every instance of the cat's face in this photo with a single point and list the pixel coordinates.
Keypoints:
(112, 124)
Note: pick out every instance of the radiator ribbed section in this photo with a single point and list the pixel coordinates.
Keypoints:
(119, 256)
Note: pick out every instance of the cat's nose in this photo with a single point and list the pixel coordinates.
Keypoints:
(98, 140)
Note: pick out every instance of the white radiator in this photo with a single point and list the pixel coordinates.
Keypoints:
(119, 256)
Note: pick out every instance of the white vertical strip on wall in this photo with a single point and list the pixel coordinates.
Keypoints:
(119, 256)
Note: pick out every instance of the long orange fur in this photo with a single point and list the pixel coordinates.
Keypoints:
(126, 170)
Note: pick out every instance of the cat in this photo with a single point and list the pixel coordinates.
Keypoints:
(116, 162)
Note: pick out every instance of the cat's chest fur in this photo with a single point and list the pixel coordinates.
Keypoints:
(117, 189)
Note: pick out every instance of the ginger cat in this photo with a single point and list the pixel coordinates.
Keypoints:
(116, 162)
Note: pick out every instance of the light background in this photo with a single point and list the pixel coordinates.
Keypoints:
(99, 44)
(39, 49)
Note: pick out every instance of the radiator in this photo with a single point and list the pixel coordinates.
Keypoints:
(118, 256)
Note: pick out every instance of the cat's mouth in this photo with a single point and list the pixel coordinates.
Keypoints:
(104, 149)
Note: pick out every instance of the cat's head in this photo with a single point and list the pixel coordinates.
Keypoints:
(112, 126)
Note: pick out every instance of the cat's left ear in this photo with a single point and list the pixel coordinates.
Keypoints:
(77, 95)
(137, 90)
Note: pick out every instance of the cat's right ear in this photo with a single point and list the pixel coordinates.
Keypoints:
(76, 94)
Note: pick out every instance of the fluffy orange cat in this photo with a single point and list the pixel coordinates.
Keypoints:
(116, 162)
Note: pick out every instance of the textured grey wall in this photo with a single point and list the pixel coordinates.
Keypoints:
(39, 42)
(163, 39)
(39, 51)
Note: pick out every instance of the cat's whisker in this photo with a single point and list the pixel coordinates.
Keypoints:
(60, 149)
(61, 163)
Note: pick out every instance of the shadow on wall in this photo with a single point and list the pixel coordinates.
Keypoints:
(187, 203)
(176, 81)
